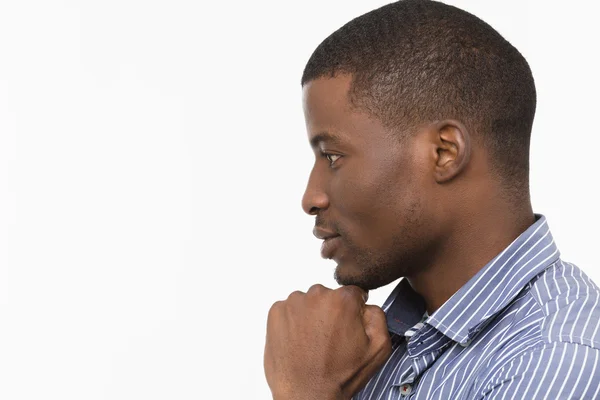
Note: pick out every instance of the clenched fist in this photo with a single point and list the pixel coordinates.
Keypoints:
(324, 344)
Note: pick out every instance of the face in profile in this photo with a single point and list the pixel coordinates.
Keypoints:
(367, 186)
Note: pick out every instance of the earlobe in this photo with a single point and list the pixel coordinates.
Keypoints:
(453, 143)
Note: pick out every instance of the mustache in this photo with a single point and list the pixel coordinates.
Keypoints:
(320, 223)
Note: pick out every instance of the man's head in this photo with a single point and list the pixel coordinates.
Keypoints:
(431, 108)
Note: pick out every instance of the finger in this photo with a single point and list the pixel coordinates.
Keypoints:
(375, 324)
(295, 296)
(380, 348)
(355, 292)
(318, 289)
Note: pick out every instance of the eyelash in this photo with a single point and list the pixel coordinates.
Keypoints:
(327, 155)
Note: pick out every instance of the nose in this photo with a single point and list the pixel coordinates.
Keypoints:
(314, 198)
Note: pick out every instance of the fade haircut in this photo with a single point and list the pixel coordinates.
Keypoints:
(416, 61)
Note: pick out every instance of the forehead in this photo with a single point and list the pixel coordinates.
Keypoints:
(327, 108)
(326, 104)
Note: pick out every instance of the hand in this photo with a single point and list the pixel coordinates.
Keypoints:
(324, 344)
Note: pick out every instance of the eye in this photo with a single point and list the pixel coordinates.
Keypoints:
(332, 158)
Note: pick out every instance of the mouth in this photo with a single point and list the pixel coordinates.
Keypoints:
(330, 246)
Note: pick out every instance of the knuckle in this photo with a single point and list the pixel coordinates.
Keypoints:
(275, 307)
(375, 313)
(295, 295)
(317, 288)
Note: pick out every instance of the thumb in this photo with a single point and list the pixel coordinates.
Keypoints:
(375, 324)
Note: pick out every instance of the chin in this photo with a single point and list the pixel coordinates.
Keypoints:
(367, 276)
(343, 275)
(350, 274)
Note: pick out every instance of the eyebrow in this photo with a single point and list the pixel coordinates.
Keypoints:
(324, 137)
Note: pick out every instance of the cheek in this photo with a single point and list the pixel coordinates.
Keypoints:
(354, 192)
(369, 202)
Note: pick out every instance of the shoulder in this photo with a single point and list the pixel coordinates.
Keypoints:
(560, 370)
(569, 302)
(555, 318)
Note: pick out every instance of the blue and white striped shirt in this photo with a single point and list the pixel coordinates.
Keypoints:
(526, 326)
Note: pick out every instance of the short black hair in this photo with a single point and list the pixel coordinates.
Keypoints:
(414, 61)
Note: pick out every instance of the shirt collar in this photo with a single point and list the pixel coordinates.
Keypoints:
(484, 295)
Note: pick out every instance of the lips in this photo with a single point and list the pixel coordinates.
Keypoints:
(331, 241)
(321, 233)
(329, 246)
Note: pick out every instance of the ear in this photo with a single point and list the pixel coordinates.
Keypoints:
(453, 149)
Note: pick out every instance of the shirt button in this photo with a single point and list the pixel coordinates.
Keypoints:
(465, 344)
(405, 390)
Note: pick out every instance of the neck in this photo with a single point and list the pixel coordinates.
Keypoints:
(469, 248)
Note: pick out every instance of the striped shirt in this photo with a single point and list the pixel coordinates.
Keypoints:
(526, 326)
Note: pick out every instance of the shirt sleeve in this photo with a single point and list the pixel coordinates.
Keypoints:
(555, 371)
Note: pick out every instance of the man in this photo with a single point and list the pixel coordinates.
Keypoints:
(420, 117)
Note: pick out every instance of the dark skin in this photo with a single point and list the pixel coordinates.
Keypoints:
(427, 208)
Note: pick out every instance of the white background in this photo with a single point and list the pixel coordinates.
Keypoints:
(153, 157)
